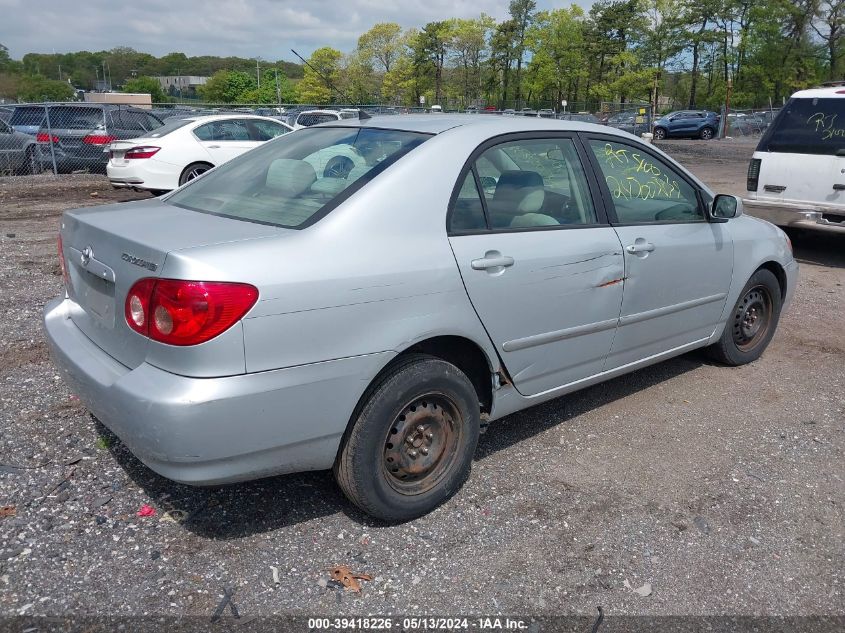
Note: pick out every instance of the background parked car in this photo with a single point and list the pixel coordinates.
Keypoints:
(78, 135)
(687, 124)
(27, 118)
(628, 121)
(182, 149)
(584, 117)
(18, 152)
(6, 113)
(307, 118)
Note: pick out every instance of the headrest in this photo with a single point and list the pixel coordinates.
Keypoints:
(290, 177)
(519, 191)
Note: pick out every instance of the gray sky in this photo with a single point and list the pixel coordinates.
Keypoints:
(247, 28)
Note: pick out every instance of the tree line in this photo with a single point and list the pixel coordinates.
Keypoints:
(687, 53)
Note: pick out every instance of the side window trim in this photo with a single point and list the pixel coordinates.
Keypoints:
(481, 195)
(610, 208)
(595, 190)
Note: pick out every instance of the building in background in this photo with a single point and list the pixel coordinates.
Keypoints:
(137, 99)
(184, 86)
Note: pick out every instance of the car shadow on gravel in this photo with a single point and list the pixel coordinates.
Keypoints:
(244, 509)
(818, 248)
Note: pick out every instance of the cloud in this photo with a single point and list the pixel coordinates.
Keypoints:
(248, 28)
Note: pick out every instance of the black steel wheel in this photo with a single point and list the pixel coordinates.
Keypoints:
(752, 322)
(411, 441)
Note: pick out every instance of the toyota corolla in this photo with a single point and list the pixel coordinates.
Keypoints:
(272, 317)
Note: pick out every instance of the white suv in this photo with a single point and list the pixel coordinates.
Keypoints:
(314, 117)
(797, 175)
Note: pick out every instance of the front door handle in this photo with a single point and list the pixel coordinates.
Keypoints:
(213, 147)
(640, 247)
(492, 259)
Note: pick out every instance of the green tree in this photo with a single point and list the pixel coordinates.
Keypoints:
(146, 85)
(270, 92)
(556, 43)
(321, 72)
(522, 16)
(430, 49)
(381, 46)
(227, 86)
(39, 88)
(468, 48)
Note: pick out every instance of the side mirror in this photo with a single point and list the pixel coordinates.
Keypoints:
(725, 207)
(555, 154)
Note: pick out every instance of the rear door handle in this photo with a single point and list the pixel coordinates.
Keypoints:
(213, 147)
(492, 260)
(640, 247)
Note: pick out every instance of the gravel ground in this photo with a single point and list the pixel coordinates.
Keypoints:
(721, 488)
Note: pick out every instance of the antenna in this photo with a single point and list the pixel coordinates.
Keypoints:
(361, 113)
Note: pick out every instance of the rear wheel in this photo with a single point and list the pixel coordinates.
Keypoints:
(706, 133)
(752, 323)
(31, 163)
(193, 171)
(659, 133)
(411, 444)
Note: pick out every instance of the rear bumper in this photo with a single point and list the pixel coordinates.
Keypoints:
(206, 431)
(803, 216)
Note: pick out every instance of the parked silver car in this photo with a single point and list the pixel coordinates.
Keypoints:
(19, 153)
(270, 317)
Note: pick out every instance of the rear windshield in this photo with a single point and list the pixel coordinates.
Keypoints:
(807, 126)
(314, 119)
(170, 125)
(73, 118)
(27, 116)
(297, 178)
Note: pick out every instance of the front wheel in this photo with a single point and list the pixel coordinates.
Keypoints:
(706, 133)
(752, 323)
(659, 133)
(411, 445)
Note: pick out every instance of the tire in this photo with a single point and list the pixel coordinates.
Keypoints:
(659, 133)
(192, 171)
(338, 167)
(31, 164)
(158, 192)
(706, 133)
(752, 322)
(431, 408)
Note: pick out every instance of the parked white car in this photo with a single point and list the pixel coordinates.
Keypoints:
(308, 118)
(182, 149)
(797, 175)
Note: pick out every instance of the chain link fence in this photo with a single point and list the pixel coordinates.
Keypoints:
(73, 137)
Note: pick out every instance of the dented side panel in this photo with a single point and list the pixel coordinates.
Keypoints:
(553, 313)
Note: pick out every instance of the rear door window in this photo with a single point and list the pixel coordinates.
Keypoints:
(807, 126)
(27, 116)
(75, 118)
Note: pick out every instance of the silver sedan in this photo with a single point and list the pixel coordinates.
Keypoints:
(283, 314)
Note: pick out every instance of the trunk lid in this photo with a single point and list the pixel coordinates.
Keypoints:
(108, 248)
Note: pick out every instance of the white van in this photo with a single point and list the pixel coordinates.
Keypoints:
(797, 175)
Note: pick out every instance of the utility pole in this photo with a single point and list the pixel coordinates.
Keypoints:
(278, 90)
(728, 104)
(257, 73)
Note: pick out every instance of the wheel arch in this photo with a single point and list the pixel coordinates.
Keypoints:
(780, 274)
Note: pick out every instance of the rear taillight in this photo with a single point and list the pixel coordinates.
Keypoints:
(180, 312)
(43, 137)
(146, 151)
(753, 174)
(98, 139)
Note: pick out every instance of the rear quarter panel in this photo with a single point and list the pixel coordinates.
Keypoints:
(377, 274)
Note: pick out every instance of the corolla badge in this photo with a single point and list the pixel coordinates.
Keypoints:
(139, 262)
(86, 255)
